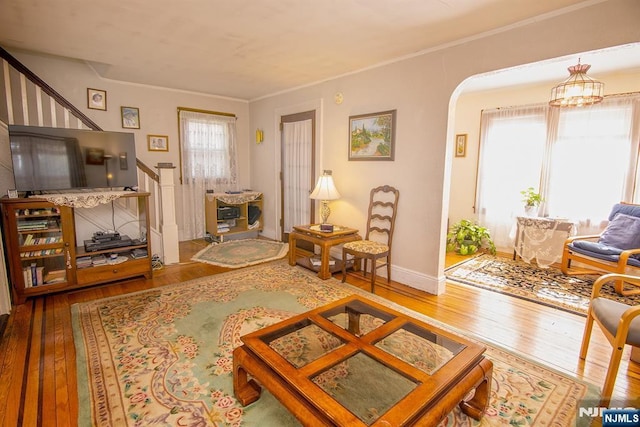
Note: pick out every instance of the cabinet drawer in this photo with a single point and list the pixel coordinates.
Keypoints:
(108, 273)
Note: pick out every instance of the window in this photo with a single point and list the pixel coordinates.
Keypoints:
(208, 148)
(582, 160)
(208, 154)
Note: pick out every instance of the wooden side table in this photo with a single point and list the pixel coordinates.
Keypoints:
(324, 239)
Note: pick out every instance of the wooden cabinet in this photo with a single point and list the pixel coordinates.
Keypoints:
(227, 214)
(40, 242)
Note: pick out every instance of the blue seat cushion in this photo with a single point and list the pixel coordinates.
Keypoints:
(600, 251)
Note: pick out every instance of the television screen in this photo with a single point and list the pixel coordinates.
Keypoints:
(56, 159)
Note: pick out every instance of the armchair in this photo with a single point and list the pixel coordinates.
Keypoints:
(616, 250)
(619, 322)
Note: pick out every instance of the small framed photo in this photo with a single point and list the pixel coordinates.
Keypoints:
(372, 136)
(97, 99)
(95, 156)
(12, 194)
(158, 142)
(461, 145)
(130, 117)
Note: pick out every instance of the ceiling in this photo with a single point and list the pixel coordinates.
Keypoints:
(247, 49)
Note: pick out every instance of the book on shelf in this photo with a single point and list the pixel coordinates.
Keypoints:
(317, 262)
(33, 275)
(54, 276)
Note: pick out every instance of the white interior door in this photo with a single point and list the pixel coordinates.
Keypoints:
(297, 170)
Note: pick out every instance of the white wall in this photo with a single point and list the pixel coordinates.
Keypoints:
(158, 110)
(420, 88)
(467, 120)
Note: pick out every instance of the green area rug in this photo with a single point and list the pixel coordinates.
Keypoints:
(164, 356)
(548, 286)
(241, 253)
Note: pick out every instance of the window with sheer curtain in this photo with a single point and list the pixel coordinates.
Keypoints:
(582, 160)
(208, 150)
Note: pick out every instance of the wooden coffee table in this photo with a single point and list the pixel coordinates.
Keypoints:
(358, 363)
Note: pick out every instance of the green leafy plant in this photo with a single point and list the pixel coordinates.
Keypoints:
(466, 238)
(531, 198)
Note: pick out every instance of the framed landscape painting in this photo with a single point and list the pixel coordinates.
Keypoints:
(372, 136)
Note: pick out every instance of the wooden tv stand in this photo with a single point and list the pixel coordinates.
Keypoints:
(40, 242)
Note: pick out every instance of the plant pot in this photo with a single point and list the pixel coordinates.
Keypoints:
(531, 211)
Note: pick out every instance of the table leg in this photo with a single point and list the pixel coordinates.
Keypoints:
(292, 249)
(476, 406)
(246, 391)
(325, 271)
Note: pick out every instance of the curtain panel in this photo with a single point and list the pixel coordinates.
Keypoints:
(208, 150)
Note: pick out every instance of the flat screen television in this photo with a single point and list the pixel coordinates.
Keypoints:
(60, 159)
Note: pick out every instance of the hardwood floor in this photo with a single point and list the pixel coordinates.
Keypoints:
(37, 356)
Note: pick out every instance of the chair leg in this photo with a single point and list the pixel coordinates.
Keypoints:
(586, 336)
(373, 275)
(612, 371)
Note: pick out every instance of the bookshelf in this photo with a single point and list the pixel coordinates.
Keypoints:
(42, 255)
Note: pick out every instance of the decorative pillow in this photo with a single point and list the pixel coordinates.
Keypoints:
(623, 232)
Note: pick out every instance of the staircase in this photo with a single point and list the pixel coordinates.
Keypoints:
(25, 99)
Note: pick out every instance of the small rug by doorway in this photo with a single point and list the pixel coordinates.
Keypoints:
(548, 286)
(164, 356)
(241, 253)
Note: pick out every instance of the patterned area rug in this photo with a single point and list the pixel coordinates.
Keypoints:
(548, 286)
(164, 356)
(241, 253)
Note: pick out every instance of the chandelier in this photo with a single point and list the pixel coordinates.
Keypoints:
(577, 90)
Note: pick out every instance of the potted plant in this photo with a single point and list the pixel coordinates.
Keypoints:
(466, 238)
(531, 200)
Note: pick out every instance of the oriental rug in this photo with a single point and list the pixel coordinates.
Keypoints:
(241, 253)
(164, 356)
(548, 286)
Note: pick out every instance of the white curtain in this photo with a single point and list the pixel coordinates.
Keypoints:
(297, 145)
(208, 148)
(592, 163)
(582, 161)
(512, 143)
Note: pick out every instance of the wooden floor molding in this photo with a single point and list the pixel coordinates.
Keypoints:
(37, 355)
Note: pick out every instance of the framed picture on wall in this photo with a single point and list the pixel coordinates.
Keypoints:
(97, 99)
(372, 136)
(158, 142)
(461, 145)
(130, 117)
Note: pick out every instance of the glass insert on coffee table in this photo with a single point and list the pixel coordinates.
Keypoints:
(357, 362)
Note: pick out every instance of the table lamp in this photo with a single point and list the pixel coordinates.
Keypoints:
(325, 190)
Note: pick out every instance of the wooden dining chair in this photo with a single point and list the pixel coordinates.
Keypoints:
(619, 322)
(376, 246)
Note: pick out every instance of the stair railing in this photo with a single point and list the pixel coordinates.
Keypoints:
(30, 101)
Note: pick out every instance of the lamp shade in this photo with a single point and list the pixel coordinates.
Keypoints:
(577, 90)
(325, 188)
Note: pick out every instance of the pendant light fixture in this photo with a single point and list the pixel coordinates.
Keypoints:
(577, 90)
